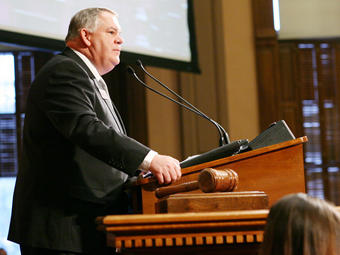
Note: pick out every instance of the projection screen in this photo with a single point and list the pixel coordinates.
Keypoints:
(160, 31)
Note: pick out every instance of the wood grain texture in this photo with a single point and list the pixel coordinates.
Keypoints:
(208, 202)
(276, 170)
(235, 232)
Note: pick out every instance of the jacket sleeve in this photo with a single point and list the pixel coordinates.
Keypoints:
(68, 101)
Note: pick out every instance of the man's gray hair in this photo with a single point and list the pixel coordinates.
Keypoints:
(86, 18)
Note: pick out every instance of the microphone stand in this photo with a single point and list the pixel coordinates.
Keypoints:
(132, 72)
(224, 137)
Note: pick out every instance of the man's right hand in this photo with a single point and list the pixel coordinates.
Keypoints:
(165, 168)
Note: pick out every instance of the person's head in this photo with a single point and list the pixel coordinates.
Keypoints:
(301, 225)
(3, 251)
(95, 32)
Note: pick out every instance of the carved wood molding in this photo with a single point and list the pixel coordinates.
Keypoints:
(183, 230)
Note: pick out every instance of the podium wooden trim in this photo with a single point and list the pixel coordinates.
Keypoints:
(277, 170)
(232, 232)
(185, 233)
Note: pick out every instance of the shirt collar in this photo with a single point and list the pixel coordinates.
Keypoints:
(89, 65)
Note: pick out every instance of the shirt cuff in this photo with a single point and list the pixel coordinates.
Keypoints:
(145, 165)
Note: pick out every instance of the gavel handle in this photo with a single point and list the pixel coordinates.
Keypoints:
(183, 187)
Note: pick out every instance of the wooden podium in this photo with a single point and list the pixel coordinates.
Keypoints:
(276, 170)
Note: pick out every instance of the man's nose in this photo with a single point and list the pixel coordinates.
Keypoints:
(119, 40)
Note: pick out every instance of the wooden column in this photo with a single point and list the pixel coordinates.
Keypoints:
(267, 61)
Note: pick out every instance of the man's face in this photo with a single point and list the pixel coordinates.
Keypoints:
(106, 43)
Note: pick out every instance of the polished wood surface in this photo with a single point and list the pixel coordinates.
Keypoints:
(194, 233)
(212, 202)
(276, 170)
(235, 232)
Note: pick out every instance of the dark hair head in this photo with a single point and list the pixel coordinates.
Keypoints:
(301, 225)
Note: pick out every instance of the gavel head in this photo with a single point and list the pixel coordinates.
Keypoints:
(212, 180)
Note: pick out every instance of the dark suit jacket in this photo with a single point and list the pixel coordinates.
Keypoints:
(74, 162)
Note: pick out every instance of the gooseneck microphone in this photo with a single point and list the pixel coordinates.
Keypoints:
(224, 150)
(224, 139)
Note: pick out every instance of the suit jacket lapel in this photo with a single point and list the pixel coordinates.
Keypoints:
(116, 116)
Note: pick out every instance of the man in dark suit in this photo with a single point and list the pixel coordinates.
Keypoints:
(77, 155)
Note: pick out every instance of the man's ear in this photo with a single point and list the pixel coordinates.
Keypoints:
(85, 37)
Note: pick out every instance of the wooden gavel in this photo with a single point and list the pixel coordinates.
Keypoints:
(209, 180)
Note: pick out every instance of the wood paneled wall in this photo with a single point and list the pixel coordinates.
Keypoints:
(288, 92)
(226, 88)
(279, 95)
(267, 60)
